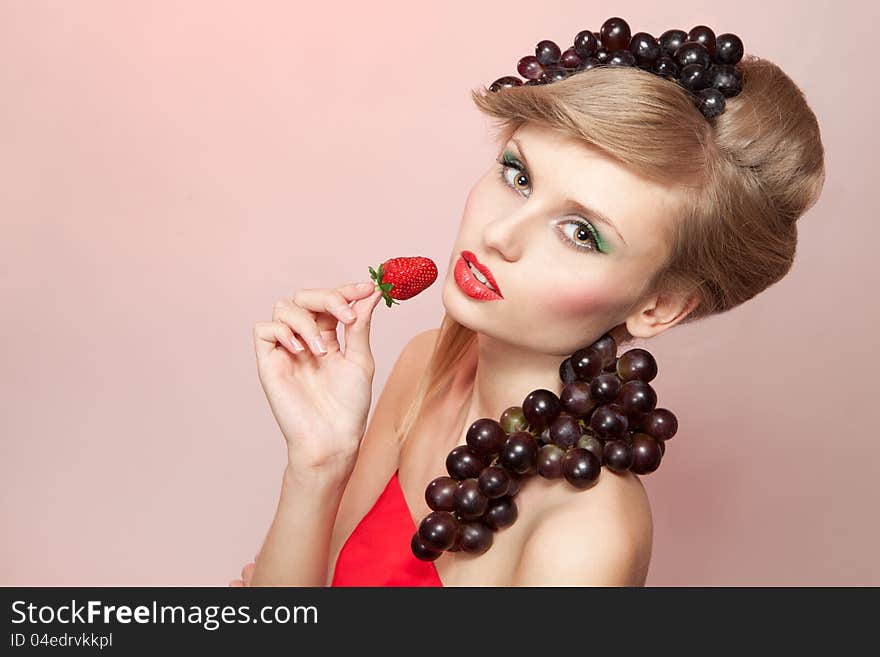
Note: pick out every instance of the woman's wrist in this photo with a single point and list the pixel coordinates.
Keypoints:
(327, 474)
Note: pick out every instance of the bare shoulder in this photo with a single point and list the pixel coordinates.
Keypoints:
(605, 532)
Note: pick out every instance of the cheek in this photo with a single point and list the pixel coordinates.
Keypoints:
(483, 203)
(566, 300)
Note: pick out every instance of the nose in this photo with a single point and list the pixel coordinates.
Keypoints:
(507, 235)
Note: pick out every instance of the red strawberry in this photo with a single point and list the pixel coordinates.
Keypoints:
(403, 278)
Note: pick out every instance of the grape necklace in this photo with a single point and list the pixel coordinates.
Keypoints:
(605, 415)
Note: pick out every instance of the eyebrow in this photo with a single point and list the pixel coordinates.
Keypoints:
(583, 209)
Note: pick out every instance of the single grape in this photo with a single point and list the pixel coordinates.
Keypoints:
(519, 452)
(502, 512)
(607, 423)
(618, 455)
(547, 52)
(606, 347)
(728, 48)
(636, 364)
(469, 500)
(570, 58)
(476, 536)
(645, 49)
(422, 551)
(704, 35)
(494, 481)
(505, 82)
(637, 397)
(580, 467)
(565, 430)
(691, 52)
(646, 454)
(438, 493)
(575, 398)
(550, 461)
(670, 41)
(437, 530)
(602, 56)
(586, 44)
(726, 78)
(586, 363)
(615, 33)
(660, 423)
(485, 436)
(710, 102)
(621, 58)
(512, 419)
(462, 463)
(667, 68)
(604, 388)
(566, 371)
(592, 444)
(694, 77)
(529, 67)
(541, 407)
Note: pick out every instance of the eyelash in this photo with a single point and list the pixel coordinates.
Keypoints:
(504, 164)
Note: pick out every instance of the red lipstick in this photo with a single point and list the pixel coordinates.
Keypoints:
(468, 281)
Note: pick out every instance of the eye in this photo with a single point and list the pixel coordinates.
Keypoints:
(519, 177)
(579, 235)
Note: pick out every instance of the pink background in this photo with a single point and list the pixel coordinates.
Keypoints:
(168, 170)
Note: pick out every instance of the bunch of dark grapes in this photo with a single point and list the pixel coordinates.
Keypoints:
(699, 61)
(605, 415)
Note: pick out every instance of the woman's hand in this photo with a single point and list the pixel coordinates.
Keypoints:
(320, 401)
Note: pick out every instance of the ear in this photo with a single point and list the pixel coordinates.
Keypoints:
(661, 311)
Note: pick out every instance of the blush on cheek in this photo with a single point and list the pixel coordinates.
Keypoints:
(571, 301)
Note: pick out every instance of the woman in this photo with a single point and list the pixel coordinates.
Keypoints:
(615, 207)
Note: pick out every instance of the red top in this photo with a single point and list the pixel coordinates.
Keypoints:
(378, 552)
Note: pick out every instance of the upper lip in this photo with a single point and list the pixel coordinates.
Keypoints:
(483, 269)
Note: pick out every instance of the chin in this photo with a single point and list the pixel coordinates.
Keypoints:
(457, 305)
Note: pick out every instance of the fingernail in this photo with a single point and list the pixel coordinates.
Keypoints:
(318, 344)
(297, 347)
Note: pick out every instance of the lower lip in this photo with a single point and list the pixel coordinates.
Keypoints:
(468, 283)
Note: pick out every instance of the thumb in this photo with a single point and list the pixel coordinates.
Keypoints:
(357, 334)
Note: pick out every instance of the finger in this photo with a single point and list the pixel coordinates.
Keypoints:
(269, 334)
(302, 325)
(357, 335)
(333, 302)
(247, 572)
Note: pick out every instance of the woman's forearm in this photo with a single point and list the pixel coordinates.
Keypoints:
(296, 549)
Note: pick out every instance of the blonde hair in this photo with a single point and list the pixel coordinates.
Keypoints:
(745, 175)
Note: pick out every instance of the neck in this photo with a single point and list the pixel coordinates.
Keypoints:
(501, 375)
